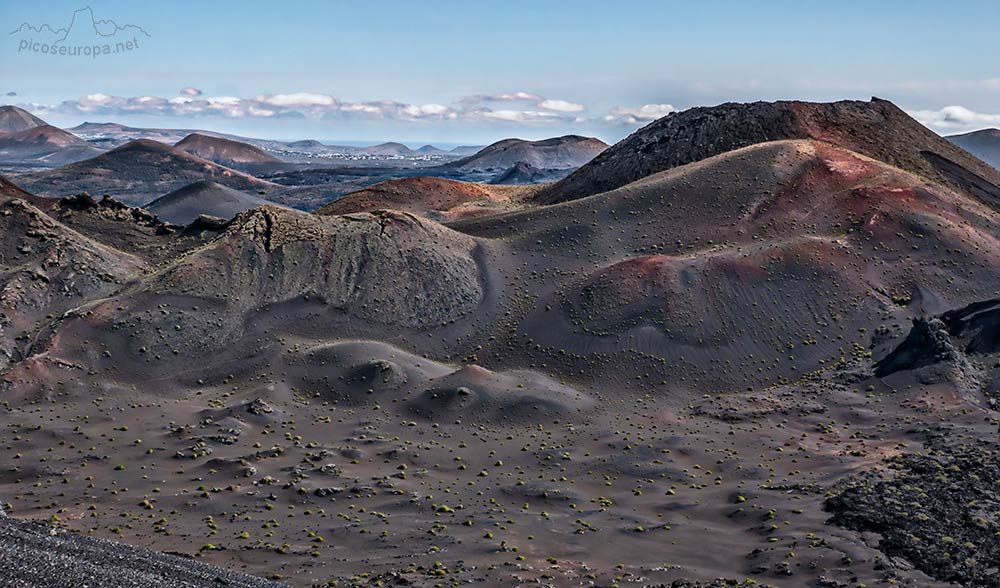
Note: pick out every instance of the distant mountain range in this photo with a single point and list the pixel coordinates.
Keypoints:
(45, 144)
(187, 172)
(137, 173)
(114, 134)
(25, 138)
(984, 144)
(262, 156)
(389, 150)
(53, 147)
(570, 151)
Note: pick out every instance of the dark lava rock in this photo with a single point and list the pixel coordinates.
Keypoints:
(33, 555)
(927, 343)
(975, 329)
(939, 511)
(110, 208)
(978, 324)
(258, 407)
(957, 344)
(324, 492)
(81, 201)
(108, 201)
(718, 583)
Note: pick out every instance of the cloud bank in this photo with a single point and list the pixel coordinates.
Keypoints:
(509, 108)
(639, 115)
(520, 108)
(954, 119)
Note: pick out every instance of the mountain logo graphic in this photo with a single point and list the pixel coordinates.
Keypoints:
(82, 21)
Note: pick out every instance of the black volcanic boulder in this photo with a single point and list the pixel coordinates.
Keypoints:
(81, 201)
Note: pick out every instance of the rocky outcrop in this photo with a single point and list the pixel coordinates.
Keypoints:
(936, 511)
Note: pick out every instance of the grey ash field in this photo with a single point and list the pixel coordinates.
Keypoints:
(708, 357)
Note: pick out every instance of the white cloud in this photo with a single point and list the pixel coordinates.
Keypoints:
(503, 97)
(433, 109)
(519, 96)
(637, 115)
(955, 119)
(223, 101)
(95, 99)
(254, 110)
(299, 99)
(535, 109)
(521, 116)
(520, 108)
(428, 110)
(512, 108)
(561, 106)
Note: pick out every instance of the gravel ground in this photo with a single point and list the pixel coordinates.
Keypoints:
(32, 557)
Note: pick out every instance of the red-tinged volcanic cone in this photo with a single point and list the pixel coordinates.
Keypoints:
(876, 128)
(224, 151)
(45, 143)
(14, 120)
(432, 197)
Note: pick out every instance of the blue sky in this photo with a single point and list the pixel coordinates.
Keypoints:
(475, 72)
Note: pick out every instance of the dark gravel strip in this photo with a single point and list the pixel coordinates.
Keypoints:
(32, 557)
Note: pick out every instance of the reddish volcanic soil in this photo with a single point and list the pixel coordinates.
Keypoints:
(435, 198)
(224, 151)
